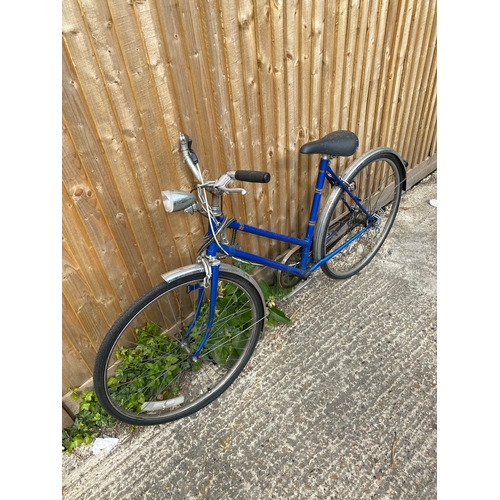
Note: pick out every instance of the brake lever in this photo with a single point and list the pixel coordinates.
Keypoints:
(222, 182)
(233, 190)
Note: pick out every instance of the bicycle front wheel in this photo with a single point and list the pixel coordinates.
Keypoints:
(148, 371)
(376, 184)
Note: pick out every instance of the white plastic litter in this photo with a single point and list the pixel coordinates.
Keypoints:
(105, 443)
(161, 405)
(434, 203)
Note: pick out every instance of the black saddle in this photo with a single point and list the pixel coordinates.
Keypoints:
(338, 143)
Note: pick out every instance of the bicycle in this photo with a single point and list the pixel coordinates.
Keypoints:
(183, 343)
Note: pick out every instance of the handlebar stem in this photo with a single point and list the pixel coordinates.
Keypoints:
(186, 155)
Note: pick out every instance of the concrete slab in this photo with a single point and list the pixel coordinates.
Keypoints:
(340, 405)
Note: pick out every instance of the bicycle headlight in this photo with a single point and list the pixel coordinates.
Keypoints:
(173, 201)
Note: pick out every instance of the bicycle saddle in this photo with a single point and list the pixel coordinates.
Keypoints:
(338, 143)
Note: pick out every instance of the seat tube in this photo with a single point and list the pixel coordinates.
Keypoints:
(320, 182)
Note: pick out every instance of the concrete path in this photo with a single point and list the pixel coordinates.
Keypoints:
(340, 405)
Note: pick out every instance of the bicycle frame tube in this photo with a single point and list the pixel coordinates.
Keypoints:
(334, 179)
(245, 228)
(261, 261)
(320, 183)
(201, 294)
(337, 250)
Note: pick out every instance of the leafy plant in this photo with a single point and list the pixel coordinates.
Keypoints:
(154, 362)
(89, 421)
(271, 293)
(231, 326)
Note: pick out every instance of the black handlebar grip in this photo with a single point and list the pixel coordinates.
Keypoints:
(252, 176)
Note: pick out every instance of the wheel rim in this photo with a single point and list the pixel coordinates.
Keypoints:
(377, 186)
(150, 373)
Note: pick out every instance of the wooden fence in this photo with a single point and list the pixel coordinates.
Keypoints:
(249, 81)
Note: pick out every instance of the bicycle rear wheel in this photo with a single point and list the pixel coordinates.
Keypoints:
(145, 373)
(376, 183)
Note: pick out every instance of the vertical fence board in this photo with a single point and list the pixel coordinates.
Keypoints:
(292, 30)
(268, 118)
(329, 28)
(340, 49)
(281, 204)
(407, 94)
(426, 146)
(367, 97)
(304, 57)
(251, 96)
(426, 32)
(388, 32)
(250, 82)
(420, 143)
(75, 366)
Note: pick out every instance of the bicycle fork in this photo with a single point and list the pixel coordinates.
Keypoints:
(210, 283)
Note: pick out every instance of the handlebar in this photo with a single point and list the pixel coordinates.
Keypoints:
(252, 176)
(175, 201)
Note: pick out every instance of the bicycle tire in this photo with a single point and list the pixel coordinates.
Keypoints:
(377, 181)
(153, 380)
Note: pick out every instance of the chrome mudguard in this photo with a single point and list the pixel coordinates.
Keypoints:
(196, 268)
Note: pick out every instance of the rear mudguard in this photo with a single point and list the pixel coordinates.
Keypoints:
(346, 176)
(367, 157)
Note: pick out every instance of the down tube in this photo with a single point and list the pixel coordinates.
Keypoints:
(262, 261)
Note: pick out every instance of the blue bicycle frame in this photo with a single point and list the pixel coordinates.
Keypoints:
(325, 172)
(304, 269)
